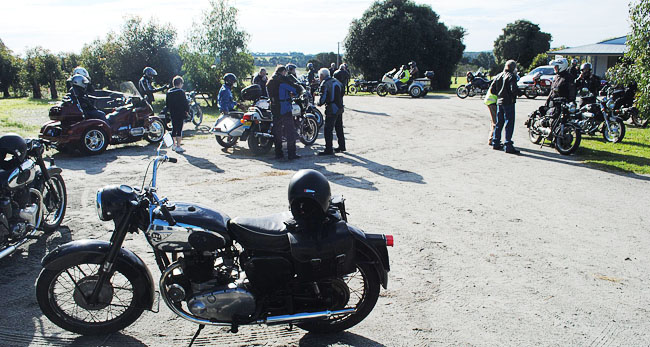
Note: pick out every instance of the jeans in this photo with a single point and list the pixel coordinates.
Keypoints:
(284, 125)
(333, 122)
(505, 117)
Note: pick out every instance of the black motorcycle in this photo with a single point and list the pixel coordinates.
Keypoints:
(599, 116)
(32, 194)
(363, 86)
(195, 115)
(554, 124)
(476, 85)
(215, 270)
(623, 103)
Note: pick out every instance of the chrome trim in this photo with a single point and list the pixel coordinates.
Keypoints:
(41, 206)
(11, 249)
(26, 165)
(98, 205)
(304, 316)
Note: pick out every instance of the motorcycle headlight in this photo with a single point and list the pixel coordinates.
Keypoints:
(610, 104)
(113, 200)
(572, 108)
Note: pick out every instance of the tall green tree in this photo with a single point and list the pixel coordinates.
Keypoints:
(33, 74)
(485, 60)
(393, 32)
(216, 46)
(324, 59)
(51, 72)
(521, 41)
(635, 66)
(9, 70)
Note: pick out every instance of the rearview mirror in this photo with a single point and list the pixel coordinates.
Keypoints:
(167, 140)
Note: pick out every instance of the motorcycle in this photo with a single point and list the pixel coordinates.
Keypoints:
(539, 87)
(306, 102)
(624, 103)
(476, 85)
(195, 115)
(68, 129)
(255, 126)
(363, 86)
(418, 88)
(32, 197)
(600, 116)
(215, 270)
(555, 125)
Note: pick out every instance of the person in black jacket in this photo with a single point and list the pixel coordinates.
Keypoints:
(343, 76)
(145, 87)
(261, 79)
(589, 81)
(79, 95)
(178, 107)
(332, 96)
(506, 90)
(563, 84)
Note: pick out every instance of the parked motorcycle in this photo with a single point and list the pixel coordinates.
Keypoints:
(363, 86)
(256, 124)
(476, 85)
(555, 125)
(32, 194)
(214, 270)
(418, 88)
(195, 115)
(600, 116)
(307, 103)
(623, 97)
(538, 87)
(69, 129)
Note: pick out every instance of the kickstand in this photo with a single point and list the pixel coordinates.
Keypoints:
(196, 334)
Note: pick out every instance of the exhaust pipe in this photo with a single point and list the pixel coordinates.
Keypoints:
(303, 316)
(268, 136)
(11, 249)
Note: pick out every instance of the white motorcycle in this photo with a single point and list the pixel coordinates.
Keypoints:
(418, 88)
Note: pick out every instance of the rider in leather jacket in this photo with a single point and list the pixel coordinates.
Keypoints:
(145, 86)
(78, 94)
(563, 85)
(589, 81)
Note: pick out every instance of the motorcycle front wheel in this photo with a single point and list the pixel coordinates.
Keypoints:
(534, 136)
(226, 141)
(353, 90)
(531, 93)
(308, 130)
(55, 199)
(382, 90)
(197, 117)
(61, 295)
(462, 92)
(615, 132)
(362, 291)
(568, 140)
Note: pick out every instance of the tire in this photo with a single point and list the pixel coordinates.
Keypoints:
(364, 307)
(415, 92)
(226, 141)
(534, 137)
(353, 90)
(259, 145)
(308, 130)
(93, 141)
(531, 93)
(55, 206)
(197, 117)
(156, 131)
(462, 92)
(570, 141)
(320, 119)
(50, 280)
(166, 121)
(637, 119)
(616, 131)
(382, 90)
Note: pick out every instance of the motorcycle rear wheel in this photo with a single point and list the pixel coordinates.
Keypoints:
(415, 92)
(462, 92)
(369, 279)
(54, 207)
(61, 296)
(197, 117)
(353, 90)
(94, 141)
(638, 120)
(226, 141)
(531, 93)
(569, 141)
(156, 131)
(534, 137)
(615, 132)
(259, 145)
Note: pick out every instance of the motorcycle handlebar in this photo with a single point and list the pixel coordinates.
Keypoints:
(172, 160)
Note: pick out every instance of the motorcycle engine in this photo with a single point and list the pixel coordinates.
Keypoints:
(223, 303)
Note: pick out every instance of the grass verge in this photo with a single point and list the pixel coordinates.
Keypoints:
(631, 155)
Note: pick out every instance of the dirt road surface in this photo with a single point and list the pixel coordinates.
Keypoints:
(490, 249)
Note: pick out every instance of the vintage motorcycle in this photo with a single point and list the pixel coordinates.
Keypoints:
(69, 130)
(600, 116)
(214, 270)
(255, 125)
(363, 86)
(540, 86)
(195, 115)
(32, 194)
(418, 88)
(554, 124)
(476, 85)
(623, 107)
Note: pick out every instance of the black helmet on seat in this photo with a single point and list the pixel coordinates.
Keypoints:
(309, 195)
(13, 150)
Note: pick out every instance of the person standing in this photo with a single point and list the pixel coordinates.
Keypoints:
(506, 90)
(343, 76)
(332, 69)
(178, 107)
(332, 96)
(261, 79)
(589, 81)
(145, 85)
(280, 88)
(491, 102)
(225, 99)
(575, 70)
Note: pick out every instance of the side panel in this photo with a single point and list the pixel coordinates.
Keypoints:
(94, 251)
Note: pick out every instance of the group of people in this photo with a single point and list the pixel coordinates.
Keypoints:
(502, 96)
(280, 87)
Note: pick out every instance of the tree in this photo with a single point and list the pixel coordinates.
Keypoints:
(214, 47)
(484, 60)
(322, 60)
(393, 32)
(635, 66)
(539, 60)
(51, 72)
(9, 70)
(521, 41)
(33, 74)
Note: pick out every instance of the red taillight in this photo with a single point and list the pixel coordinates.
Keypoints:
(389, 240)
(245, 118)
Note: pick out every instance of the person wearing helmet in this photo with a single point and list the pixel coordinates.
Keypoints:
(83, 72)
(261, 79)
(79, 95)
(574, 70)
(145, 85)
(505, 88)
(402, 77)
(13, 151)
(292, 75)
(343, 76)
(332, 96)
(588, 81)
(563, 84)
(309, 197)
(311, 73)
(225, 99)
(280, 88)
(414, 71)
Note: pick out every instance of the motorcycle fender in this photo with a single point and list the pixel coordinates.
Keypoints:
(95, 250)
(53, 170)
(151, 119)
(372, 248)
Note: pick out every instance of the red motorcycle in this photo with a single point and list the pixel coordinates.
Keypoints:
(539, 87)
(69, 130)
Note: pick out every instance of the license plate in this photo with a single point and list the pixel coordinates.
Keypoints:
(248, 124)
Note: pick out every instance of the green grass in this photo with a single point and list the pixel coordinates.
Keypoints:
(631, 155)
(23, 115)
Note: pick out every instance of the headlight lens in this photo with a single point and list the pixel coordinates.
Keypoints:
(611, 104)
(98, 205)
(572, 108)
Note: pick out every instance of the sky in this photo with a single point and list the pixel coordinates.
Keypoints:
(302, 25)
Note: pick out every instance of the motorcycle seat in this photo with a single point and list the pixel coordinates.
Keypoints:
(267, 233)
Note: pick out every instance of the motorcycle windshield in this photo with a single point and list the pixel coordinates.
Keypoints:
(129, 89)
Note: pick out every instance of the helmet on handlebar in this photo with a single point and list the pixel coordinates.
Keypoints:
(230, 79)
(561, 63)
(13, 150)
(309, 195)
(81, 71)
(149, 72)
(79, 81)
